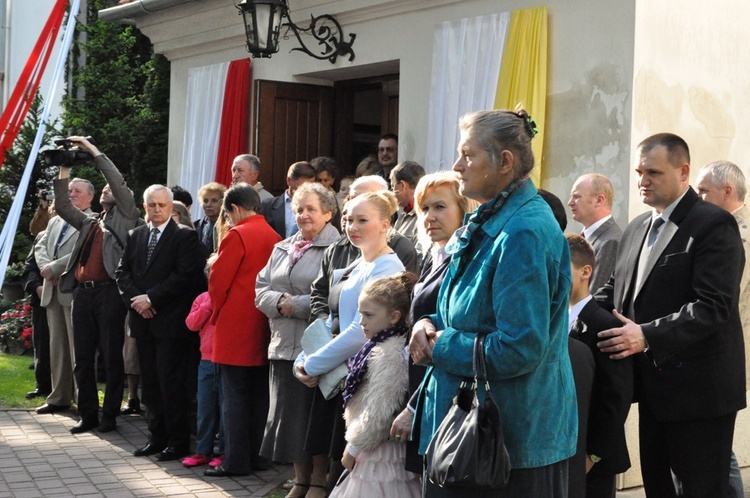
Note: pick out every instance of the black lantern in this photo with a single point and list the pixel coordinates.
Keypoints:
(263, 23)
(262, 20)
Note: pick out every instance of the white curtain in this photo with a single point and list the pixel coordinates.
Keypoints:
(466, 61)
(205, 96)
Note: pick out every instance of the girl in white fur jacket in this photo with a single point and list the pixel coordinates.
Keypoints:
(375, 392)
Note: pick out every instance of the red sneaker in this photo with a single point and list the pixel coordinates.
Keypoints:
(216, 461)
(195, 460)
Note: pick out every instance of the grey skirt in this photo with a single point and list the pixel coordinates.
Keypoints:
(286, 426)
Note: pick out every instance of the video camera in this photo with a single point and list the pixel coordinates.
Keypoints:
(68, 155)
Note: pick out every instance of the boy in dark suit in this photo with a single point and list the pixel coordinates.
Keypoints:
(612, 392)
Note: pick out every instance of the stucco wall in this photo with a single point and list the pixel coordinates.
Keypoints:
(690, 78)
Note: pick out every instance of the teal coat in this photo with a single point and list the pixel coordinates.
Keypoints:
(515, 288)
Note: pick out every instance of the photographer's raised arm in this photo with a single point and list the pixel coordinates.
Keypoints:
(83, 143)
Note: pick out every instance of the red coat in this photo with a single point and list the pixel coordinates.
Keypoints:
(242, 333)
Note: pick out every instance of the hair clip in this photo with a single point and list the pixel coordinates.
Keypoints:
(530, 126)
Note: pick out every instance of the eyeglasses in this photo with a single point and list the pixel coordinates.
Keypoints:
(386, 149)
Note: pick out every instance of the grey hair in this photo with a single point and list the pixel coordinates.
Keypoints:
(89, 185)
(326, 197)
(156, 187)
(367, 179)
(726, 173)
(254, 161)
(498, 130)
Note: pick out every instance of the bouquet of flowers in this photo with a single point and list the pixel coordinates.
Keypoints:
(15, 327)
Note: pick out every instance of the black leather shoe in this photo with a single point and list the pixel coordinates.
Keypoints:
(50, 408)
(219, 471)
(133, 406)
(36, 393)
(171, 453)
(107, 424)
(84, 426)
(150, 449)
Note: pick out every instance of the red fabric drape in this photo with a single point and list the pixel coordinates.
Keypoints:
(28, 83)
(234, 116)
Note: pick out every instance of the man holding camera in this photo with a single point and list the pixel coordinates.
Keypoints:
(99, 313)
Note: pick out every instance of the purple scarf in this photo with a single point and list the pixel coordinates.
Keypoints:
(358, 362)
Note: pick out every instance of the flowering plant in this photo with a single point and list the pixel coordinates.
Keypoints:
(15, 326)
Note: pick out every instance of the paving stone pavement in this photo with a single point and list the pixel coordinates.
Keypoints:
(41, 458)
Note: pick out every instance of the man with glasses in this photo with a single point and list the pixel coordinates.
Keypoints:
(387, 155)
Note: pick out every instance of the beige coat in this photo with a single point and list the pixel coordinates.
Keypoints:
(44, 252)
(380, 397)
(743, 220)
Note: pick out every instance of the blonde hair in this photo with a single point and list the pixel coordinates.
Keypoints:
(393, 292)
(384, 201)
(430, 182)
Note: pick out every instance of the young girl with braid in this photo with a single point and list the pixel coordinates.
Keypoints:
(375, 391)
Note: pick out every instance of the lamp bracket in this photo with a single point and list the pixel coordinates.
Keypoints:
(330, 38)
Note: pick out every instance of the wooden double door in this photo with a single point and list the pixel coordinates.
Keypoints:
(297, 122)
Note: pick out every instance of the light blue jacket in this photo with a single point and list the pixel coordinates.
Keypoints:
(515, 288)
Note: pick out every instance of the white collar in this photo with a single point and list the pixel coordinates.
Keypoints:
(575, 310)
(588, 232)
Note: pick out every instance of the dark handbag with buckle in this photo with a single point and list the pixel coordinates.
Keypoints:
(468, 448)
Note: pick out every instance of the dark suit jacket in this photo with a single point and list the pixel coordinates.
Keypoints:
(604, 240)
(172, 279)
(199, 230)
(273, 211)
(583, 375)
(687, 308)
(423, 303)
(612, 393)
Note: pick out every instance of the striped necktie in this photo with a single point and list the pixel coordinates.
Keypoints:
(152, 244)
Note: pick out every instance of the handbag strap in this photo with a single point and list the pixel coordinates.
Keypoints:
(480, 364)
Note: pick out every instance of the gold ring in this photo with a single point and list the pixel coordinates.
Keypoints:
(397, 437)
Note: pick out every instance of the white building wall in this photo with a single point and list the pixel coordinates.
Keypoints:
(24, 22)
(589, 76)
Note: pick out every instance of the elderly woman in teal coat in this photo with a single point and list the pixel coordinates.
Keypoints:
(509, 278)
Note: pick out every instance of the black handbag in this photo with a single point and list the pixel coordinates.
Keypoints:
(468, 448)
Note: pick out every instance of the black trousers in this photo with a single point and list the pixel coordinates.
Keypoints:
(244, 411)
(40, 339)
(600, 484)
(164, 369)
(697, 451)
(98, 322)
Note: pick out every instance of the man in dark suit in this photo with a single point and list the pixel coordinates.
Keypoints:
(210, 195)
(676, 284)
(606, 451)
(160, 273)
(98, 314)
(278, 211)
(591, 204)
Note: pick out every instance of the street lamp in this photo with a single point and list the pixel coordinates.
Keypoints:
(264, 19)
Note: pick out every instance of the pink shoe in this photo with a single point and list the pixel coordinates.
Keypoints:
(195, 460)
(216, 461)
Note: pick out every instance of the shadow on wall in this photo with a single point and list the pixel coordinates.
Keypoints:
(590, 133)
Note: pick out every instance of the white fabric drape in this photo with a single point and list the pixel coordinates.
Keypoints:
(205, 97)
(466, 61)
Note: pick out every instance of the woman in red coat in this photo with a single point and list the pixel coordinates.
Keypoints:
(241, 338)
